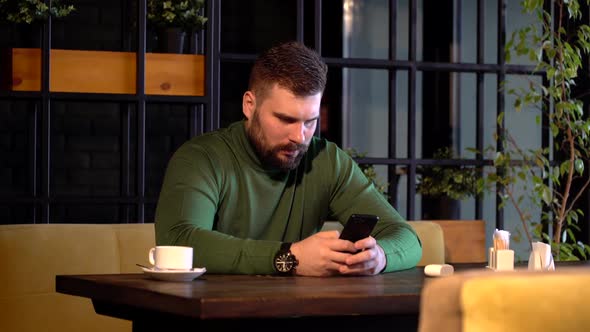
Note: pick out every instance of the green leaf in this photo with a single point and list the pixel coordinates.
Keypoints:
(500, 118)
(579, 166)
(564, 167)
(518, 105)
(546, 195)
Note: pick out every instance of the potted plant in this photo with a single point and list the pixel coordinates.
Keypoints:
(443, 186)
(172, 20)
(551, 179)
(30, 11)
(369, 171)
(26, 17)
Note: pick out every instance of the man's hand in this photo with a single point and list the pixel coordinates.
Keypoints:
(322, 254)
(369, 261)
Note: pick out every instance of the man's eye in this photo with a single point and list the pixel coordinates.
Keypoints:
(310, 123)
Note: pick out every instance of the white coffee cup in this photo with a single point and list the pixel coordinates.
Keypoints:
(171, 257)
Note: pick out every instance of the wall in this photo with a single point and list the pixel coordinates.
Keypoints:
(87, 147)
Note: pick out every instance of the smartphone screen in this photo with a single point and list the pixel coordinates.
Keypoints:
(359, 226)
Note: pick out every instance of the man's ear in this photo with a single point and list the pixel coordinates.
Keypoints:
(248, 104)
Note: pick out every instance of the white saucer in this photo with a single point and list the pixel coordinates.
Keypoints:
(168, 275)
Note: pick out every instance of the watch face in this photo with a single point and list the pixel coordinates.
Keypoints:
(285, 262)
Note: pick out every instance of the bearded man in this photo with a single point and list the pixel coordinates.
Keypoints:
(252, 198)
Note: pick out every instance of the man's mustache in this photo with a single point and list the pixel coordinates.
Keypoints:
(292, 147)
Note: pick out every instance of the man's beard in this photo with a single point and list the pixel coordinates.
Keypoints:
(269, 156)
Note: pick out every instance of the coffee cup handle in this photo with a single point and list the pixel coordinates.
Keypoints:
(151, 256)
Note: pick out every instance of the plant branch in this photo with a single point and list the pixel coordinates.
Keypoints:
(561, 163)
(568, 183)
(523, 218)
(578, 195)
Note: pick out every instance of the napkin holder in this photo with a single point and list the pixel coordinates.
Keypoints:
(501, 259)
(541, 258)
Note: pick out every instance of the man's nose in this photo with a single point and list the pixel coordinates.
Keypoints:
(297, 134)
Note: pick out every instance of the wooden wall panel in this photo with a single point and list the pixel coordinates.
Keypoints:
(175, 74)
(465, 240)
(91, 71)
(108, 72)
(26, 69)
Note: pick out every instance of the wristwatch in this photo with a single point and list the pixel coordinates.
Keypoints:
(285, 262)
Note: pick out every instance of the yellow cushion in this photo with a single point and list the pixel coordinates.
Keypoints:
(433, 243)
(524, 301)
(134, 241)
(527, 302)
(54, 312)
(32, 255)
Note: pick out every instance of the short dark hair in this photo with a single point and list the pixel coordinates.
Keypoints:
(292, 66)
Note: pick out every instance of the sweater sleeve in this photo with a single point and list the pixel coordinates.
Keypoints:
(187, 212)
(352, 193)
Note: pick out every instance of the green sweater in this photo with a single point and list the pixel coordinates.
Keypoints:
(219, 199)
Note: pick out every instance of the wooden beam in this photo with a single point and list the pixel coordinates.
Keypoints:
(107, 72)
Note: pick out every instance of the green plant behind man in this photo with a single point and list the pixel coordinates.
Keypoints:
(554, 178)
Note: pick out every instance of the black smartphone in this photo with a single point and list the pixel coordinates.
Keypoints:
(359, 226)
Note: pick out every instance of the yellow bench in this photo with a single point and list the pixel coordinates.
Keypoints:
(32, 255)
(515, 301)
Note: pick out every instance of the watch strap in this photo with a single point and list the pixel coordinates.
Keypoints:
(285, 246)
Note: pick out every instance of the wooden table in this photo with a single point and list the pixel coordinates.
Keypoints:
(264, 303)
(261, 302)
